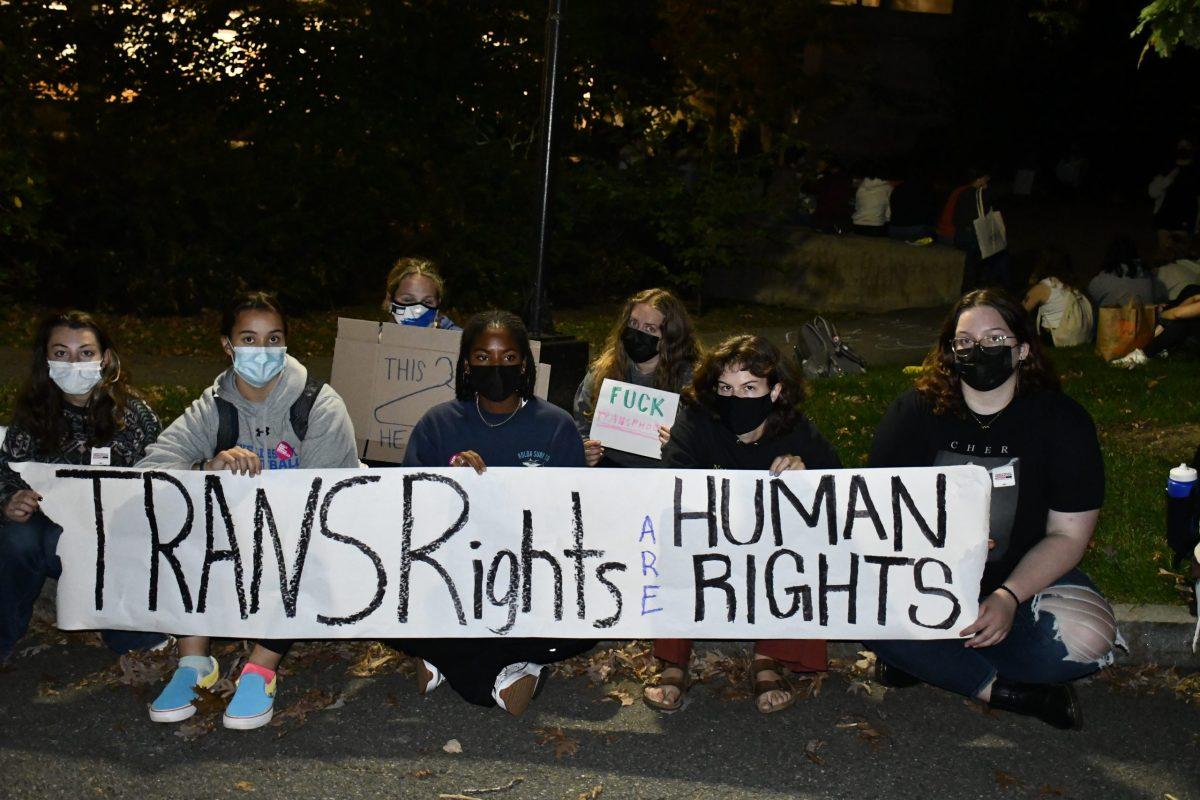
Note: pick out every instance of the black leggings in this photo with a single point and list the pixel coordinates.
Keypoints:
(1175, 331)
(471, 665)
(277, 646)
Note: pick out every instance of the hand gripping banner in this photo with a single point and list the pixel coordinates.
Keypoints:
(583, 553)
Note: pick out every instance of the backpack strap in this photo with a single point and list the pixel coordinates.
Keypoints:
(227, 425)
(303, 406)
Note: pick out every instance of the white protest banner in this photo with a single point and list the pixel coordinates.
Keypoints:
(615, 554)
(389, 375)
(627, 417)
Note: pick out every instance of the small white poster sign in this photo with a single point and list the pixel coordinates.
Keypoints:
(627, 417)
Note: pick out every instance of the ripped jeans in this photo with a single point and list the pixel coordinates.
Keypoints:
(1034, 650)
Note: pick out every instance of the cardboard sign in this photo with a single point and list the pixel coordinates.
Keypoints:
(389, 375)
(627, 417)
(579, 553)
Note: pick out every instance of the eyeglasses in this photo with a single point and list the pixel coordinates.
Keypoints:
(991, 344)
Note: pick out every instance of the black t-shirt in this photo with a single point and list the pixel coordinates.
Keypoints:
(698, 441)
(1046, 439)
(538, 435)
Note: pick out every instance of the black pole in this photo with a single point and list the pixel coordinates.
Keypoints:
(549, 108)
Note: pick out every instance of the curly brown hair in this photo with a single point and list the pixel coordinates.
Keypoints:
(939, 382)
(760, 358)
(39, 406)
(678, 351)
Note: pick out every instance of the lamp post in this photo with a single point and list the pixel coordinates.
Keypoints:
(554, 20)
(567, 356)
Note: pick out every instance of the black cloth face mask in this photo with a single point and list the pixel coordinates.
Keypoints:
(983, 370)
(744, 414)
(496, 382)
(639, 345)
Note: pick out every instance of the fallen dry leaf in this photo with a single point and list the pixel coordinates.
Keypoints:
(592, 793)
(563, 744)
(192, 729)
(244, 786)
(811, 749)
(453, 747)
(297, 713)
(421, 774)
(208, 703)
(1006, 781)
(378, 658)
(621, 696)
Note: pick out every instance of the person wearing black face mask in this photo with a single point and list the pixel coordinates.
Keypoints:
(496, 421)
(988, 396)
(740, 412)
(653, 345)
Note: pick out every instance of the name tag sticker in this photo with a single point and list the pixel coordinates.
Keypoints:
(101, 456)
(1004, 476)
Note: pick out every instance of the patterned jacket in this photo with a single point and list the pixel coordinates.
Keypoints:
(128, 445)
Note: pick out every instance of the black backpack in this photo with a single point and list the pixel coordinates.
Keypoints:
(821, 353)
(227, 426)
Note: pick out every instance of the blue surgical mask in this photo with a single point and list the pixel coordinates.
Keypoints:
(414, 314)
(257, 366)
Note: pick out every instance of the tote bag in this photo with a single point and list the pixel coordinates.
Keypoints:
(1075, 325)
(1123, 329)
(989, 229)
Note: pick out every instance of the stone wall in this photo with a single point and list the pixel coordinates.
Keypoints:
(846, 273)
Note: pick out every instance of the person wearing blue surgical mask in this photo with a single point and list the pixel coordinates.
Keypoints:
(415, 292)
(262, 413)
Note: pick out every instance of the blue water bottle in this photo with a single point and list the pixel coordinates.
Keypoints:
(1181, 511)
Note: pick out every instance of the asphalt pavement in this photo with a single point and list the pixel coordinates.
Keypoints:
(70, 729)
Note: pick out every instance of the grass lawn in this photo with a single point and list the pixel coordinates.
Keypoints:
(1149, 419)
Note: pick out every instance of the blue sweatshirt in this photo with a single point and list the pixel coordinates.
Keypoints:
(537, 435)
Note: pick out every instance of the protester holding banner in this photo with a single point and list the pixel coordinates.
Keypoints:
(652, 345)
(76, 407)
(494, 421)
(263, 412)
(742, 411)
(988, 396)
(415, 291)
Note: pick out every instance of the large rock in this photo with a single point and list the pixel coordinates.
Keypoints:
(846, 273)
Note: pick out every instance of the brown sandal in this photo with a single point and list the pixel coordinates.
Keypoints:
(682, 683)
(780, 684)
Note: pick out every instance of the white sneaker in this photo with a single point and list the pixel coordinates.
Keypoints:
(429, 677)
(516, 686)
(1135, 359)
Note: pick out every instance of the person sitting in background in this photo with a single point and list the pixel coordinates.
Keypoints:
(1173, 277)
(913, 208)
(831, 192)
(871, 207)
(415, 291)
(1122, 278)
(1178, 321)
(1176, 195)
(1064, 316)
(76, 407)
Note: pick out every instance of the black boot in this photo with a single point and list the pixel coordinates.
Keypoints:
(893, 677)
(1052, 703)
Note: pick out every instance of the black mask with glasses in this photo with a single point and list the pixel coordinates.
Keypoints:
(990, 345)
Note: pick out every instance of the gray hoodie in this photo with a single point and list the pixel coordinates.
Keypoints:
(263, 428)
